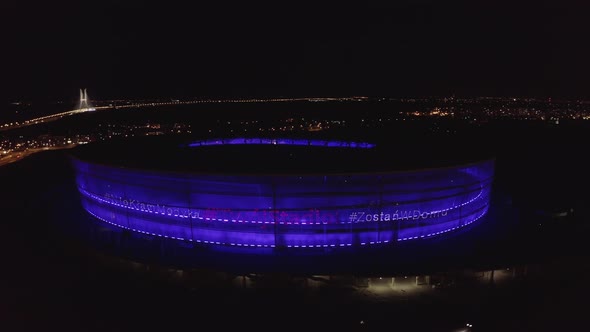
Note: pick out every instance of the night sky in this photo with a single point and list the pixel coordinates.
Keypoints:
(411, 48)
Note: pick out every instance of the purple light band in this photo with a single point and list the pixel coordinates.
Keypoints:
(295, 240)
(105, 201)
(281, 141)
(294, 246)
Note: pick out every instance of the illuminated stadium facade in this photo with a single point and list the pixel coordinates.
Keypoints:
(267, 200)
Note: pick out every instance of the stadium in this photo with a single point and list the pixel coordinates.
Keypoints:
(275, 195)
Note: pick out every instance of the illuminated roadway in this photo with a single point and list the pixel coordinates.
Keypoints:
(47, 118)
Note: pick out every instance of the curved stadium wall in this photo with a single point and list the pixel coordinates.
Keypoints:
(300, 211)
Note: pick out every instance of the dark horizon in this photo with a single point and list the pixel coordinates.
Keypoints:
(72, 98)
(412, 48)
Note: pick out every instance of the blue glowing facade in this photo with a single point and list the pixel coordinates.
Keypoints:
(287, 211)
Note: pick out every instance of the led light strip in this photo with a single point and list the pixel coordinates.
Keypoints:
(281, 141)
(105, 201)
(291, 246)
(444, 231)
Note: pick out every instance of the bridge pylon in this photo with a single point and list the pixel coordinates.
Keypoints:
(84, 103)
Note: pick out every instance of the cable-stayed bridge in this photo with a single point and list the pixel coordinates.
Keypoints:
(85, 105)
